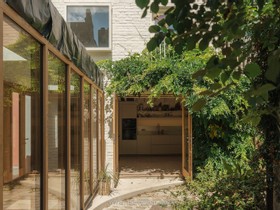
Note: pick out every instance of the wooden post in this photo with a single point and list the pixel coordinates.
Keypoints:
(44, 91)
(82, 145)
(68, 136)
(1, 108)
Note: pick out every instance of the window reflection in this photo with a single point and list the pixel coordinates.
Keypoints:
(22, 126)
(100, 146)
(56, 133)
(75, 91)
(86, 141)
(90, 24)
(94, 139)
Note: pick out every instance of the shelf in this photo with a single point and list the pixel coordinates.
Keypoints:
(160, 114)
(162, 121)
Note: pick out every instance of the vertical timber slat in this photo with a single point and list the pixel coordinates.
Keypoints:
(102, 131)
(116, 134)
(1, 107)
(82, 144)
(68, 136)
(45, 128)
(190, 144)
(183, 140)
(90, 139)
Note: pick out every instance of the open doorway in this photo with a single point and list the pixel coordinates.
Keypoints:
(150, 138)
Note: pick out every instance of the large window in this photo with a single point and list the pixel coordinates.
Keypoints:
(87, 144)
(94, 137)
(56, 132)
(49, 124)
(91, 24)
(76, 130)
(22, 119)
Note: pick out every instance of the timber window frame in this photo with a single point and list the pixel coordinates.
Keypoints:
(7, 13)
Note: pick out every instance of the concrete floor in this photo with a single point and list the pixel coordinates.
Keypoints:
(131, 187)
(150, 166)
(140, 174)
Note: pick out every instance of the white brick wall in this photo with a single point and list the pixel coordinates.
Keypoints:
(129, 34)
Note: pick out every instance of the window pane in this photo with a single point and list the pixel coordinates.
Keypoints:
(56, 133)
(90, 24)
(94, 139)
(86, 141)
(75, 90)
(22, 115)
(100, 104)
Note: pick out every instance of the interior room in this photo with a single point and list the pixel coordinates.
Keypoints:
(150, 137)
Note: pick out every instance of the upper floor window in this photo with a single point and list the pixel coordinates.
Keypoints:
(91, 24)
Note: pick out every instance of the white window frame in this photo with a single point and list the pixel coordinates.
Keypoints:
(85, 4)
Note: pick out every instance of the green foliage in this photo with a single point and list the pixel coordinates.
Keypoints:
(231, 178)
(221, 137)
(246, 33)
(239, 30)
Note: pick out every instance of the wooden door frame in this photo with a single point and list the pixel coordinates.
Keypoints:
(116, 134)
(187, 174)
(116, 139)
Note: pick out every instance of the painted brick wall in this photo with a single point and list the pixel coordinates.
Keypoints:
(129, 34)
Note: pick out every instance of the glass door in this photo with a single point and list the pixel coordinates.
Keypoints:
(186, 144)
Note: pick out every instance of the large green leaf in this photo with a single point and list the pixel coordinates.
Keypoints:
(154, 7)
(152, 44)
(236, 75)
(164, 2)
(191, 42)
(199, 104)
(264, 89)
(199, 73)
(154, 29)
(214, 72)
(224, 77)
(203, 44)
(144, 14)
(215, 86)
(142, 3)
(169, 18)
(272, 74)
(206, 92)
(252, 70)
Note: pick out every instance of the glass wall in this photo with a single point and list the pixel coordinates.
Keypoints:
(75, 90)
(22, 119)
(56, 132)
(94, 139)
(28, 103)
(86, 141)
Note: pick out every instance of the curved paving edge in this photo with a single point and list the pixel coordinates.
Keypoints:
(131, 194)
